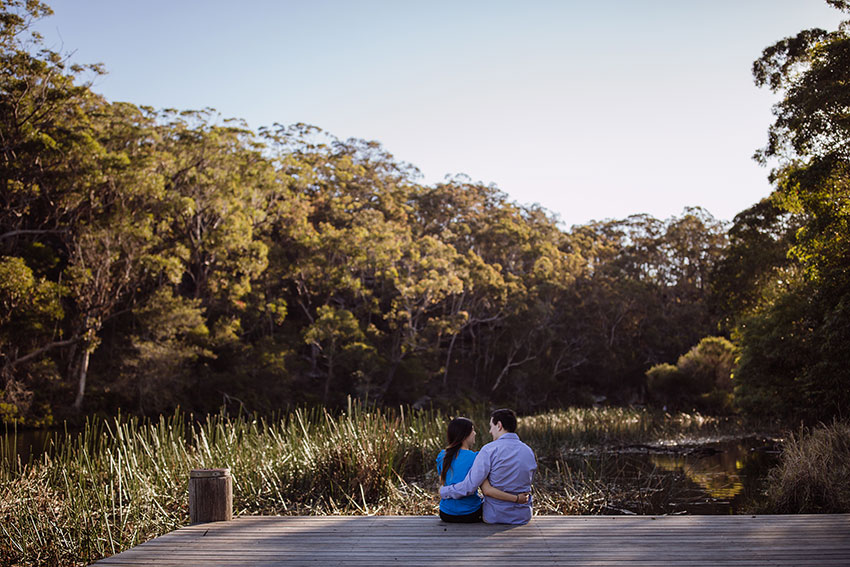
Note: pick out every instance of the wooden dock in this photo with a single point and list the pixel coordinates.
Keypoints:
(816, 540)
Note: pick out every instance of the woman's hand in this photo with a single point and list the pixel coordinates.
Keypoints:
(493, 492)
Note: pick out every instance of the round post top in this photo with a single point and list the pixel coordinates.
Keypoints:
(209, 473)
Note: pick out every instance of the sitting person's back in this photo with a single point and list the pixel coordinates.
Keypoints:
(454, 463)
(463, 509)
(509, 463)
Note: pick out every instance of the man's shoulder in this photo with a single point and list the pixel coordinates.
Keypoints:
(488, 448)
(530, 452)
(523, 447)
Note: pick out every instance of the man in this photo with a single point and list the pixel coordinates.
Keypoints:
(509, 463)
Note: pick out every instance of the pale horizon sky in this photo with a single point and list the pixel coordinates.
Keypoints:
(592, 110)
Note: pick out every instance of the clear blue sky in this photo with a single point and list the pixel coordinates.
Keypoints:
(593, 109)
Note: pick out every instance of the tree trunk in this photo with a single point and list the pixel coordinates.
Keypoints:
(448, 360)
(328, 379)
(81, 384)
(385, 387)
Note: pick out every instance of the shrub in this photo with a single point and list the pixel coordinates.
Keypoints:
(813, 475)
(709, 364)
(701, 379)
(666, 385)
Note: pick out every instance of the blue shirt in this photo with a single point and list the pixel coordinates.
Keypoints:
(510, 465)
(457, 472)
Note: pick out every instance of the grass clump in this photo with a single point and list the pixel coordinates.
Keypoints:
(813, 475)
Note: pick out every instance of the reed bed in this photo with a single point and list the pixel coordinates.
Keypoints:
(120, 482)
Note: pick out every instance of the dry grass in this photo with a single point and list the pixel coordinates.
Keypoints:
(814, 473)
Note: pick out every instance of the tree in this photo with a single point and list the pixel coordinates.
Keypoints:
(760, 239)
(642, 297)
(170, 335)
(337, 335)
(30, 307)
(72, 184)
(796, 342)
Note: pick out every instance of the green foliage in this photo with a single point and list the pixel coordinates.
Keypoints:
(27, 305)
(170, 336)
(709, 364)
(702, 378)
(668, 385)
(643, 299)
(760, 239)
(30, 307)
(202, 264)
(793, 362)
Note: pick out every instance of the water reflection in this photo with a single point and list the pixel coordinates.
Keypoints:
(720, 477)
(30, 445)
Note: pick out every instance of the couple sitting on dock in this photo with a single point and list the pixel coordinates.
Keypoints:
(503, 468)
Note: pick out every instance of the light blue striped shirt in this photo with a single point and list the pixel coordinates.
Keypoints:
(510, 465)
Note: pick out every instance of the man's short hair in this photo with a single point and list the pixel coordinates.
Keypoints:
(506, 417)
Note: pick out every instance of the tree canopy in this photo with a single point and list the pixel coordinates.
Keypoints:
(794, 360)
(159, 258)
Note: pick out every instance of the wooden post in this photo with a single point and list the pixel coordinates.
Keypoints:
(210, 495)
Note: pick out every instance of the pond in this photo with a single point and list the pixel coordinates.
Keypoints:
(723, 476)
(30, 444)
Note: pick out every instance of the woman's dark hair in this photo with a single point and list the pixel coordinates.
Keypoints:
(506, 417)
(458, 430)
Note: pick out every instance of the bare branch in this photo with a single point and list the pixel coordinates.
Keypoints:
(12, 233)
(42, 350)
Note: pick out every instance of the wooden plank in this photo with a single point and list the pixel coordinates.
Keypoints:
(625, 554)
(566, 561)
(547, 540)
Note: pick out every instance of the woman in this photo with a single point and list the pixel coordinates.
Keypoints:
(453, 464)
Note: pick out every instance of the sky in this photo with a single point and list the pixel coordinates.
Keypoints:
(590, 109)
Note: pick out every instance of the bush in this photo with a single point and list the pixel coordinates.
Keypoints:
(709, 364)
(666, 385)
(814, 473)
(701, 379)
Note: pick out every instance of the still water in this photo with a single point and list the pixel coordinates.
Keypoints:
(29, 445)
(709, 477)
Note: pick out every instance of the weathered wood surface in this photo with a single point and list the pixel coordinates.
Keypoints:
(210, 495)
(821, 540)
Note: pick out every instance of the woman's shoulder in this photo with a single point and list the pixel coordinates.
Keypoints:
(441, 455)
(468, 452)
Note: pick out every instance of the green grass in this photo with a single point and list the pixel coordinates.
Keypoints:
(123, 481)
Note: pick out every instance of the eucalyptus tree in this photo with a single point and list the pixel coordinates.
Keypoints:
(76, 184)
(642, 296)
(794, 359)
(755, 258)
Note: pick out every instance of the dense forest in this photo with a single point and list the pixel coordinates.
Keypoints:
(151, 259)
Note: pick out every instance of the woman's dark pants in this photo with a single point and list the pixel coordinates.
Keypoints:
(464, 519)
